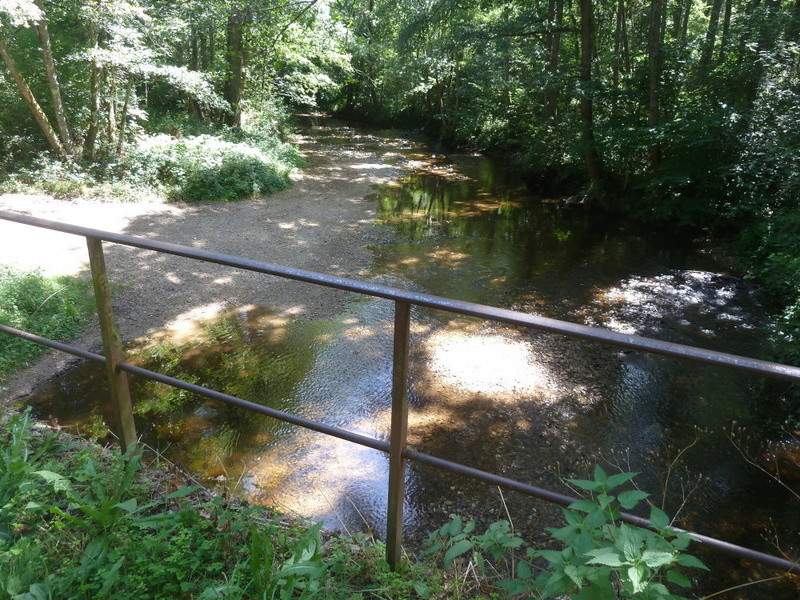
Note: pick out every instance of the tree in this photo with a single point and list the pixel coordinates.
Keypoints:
(655, 57)
(591, 157)
(120, 54)
(24, 13)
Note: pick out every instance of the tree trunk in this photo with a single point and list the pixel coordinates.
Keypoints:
(234, 56)
(684, 32)
(123, 119)
(591, 158)
(111, 116)
(766, 35)
(711, 36)
(556, 18)
(793, 26)
(36, 110)
(212, 45)
(726, 30)
(52, 80)
(621, 60)
(656, 61)
(194, 40)
(94, 99)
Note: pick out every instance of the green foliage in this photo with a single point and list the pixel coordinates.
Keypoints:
(601, 557)
(80, 523)
(210, 168)
(54, 307)
(233, 179)
(457, 538)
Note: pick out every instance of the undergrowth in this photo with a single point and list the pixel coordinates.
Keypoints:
(182, 160)
(79, 522)
(53, 307)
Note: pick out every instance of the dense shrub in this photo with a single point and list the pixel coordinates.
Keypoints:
(79, 523)
(211, 168)
(233, 179)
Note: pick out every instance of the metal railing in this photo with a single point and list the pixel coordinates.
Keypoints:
(396, 447)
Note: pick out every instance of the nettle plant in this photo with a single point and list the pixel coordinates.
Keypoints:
(602, 558)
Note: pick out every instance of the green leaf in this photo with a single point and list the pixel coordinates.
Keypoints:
(59, 482)
(660, 589)
(636, 577)
(584, 505)
(619, 478)
(687, 560)
(182, 492)
(571, 571)
(605, 556)
(631, 498)
(604, 500)
(455, 526)
(598, 590)
(658, 517)
(585, 484)
(681, 541)
(513, 587)
(677, 578)
(128, 506)
(599, 474)
(629, 541)
(455, 551)
(524, 570)
(422, 589)
(552, 556)
(654, 559)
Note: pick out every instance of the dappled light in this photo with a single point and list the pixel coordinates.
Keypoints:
(487, 364)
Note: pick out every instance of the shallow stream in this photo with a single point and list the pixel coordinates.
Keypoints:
(535, 407)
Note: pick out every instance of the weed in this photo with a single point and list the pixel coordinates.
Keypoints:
(54, 307)
(601, 556)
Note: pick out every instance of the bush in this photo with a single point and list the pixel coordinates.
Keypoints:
(228, 164)
(53, 307)
(234, 179)
(210, 168)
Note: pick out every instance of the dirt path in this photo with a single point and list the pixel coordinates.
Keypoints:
(322, 223)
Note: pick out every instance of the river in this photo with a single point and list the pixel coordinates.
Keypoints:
(531, 406)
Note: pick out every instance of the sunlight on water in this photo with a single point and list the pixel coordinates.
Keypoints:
(489, 364)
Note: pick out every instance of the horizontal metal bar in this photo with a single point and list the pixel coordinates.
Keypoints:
(575, 330)
(31, 337)
(342, 434)
(383, 446)
(563, 500)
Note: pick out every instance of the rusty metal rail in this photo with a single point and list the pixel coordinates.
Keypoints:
(395, 448)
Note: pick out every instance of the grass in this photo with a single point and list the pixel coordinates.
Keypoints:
(54, 307)
(80, 522)
(83, 522)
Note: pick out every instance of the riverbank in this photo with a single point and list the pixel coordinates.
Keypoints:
(322, 223)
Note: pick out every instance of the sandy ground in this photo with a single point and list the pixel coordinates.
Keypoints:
(322, 223)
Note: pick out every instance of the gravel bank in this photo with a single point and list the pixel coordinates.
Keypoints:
(322, 223)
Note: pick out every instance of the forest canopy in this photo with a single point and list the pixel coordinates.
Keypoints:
(675, 112)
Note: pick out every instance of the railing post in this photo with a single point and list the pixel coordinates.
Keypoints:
(397, 440)
(112, 346)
